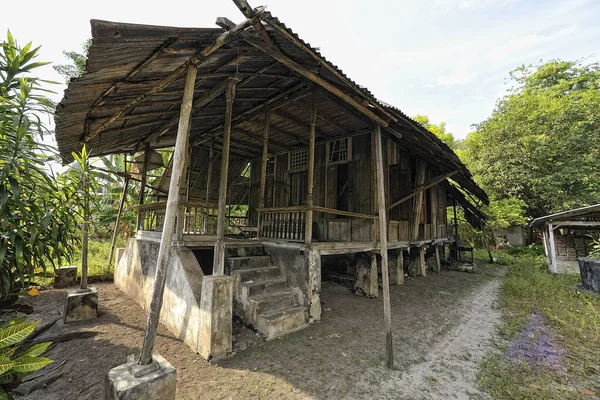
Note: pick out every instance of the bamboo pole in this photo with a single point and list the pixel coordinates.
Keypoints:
(219, 258)
(179, 156)
(387, 314)
(121, 205)
(143, 183)
(311, 170)
(265, 158)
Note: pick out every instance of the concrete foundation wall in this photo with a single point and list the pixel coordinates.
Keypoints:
(134, 275)
(293, 265)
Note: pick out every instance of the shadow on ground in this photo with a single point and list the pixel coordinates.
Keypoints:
(342, 356)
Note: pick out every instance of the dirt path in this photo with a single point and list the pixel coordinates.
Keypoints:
(450, 368)
(441, 327)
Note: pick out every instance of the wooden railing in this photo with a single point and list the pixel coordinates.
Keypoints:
(198, 218)
(286, 223)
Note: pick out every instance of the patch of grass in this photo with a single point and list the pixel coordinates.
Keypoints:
(98, 252)
(573, 321)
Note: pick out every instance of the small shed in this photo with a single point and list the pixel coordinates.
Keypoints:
(568, 235)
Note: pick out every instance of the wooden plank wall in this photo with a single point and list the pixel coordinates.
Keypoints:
(362, 195)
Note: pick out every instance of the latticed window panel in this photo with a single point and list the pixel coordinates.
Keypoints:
(299, 159)
(339, 150)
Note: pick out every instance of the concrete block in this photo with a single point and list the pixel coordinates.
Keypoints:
(215, 331)
(65, 277)
(81, 304)
(118, 254)
(130, 381)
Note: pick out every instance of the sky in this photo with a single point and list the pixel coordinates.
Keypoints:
(448, 59)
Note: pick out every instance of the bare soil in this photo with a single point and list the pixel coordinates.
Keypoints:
(442, 327)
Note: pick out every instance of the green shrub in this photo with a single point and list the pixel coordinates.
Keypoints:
(18, 361)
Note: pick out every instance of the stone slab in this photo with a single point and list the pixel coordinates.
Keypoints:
(81, 305)
(159, 383)
(65, 277)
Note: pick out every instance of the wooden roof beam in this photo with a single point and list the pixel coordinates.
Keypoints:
(275, 102)
(196, 60)
(284, 115)
(315, 78)
(274, 23)
(200, 102)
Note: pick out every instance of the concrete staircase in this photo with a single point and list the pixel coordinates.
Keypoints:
(261, 296)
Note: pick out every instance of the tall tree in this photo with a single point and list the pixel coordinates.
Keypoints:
(76, 66)
(542, 142)
(437, 130)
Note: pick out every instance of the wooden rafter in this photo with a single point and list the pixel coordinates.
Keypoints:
(275, 102)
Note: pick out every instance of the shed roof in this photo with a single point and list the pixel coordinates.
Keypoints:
(582, 214)
(126, 62)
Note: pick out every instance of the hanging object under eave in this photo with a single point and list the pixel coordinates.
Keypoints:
(155, 160)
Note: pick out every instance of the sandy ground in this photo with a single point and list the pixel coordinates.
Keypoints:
(442, 327)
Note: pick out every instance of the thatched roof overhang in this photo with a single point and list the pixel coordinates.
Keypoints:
(115, 106)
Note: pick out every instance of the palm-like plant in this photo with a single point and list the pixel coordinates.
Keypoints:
(35, 228)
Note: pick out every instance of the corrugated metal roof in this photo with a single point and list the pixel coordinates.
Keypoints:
(114, 78)
(592, 212)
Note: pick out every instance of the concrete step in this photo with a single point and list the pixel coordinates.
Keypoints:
(280, 322)
(256, 274)
(268, 302)
(253, 288)
(236, 263)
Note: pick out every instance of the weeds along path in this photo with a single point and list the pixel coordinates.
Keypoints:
(449, 369)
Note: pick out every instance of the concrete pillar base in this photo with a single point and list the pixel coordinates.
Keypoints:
(366, 277)
(314, 284)
(65, 277)
(215, 332)
(131, 381)
(81, 305)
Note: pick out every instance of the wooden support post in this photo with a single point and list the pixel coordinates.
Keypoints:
(387, 313)
(185, 181)
(263, 165)
(164, 251)
(219, 259)
(422, 263)
(545, 239)
(438, 264)
(418, 202)
(138, 224)
(121, 206)
(553, 265)
(433, 195)
(211, 156)
(311, 170)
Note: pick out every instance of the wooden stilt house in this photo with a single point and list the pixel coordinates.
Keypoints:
(281, 162)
